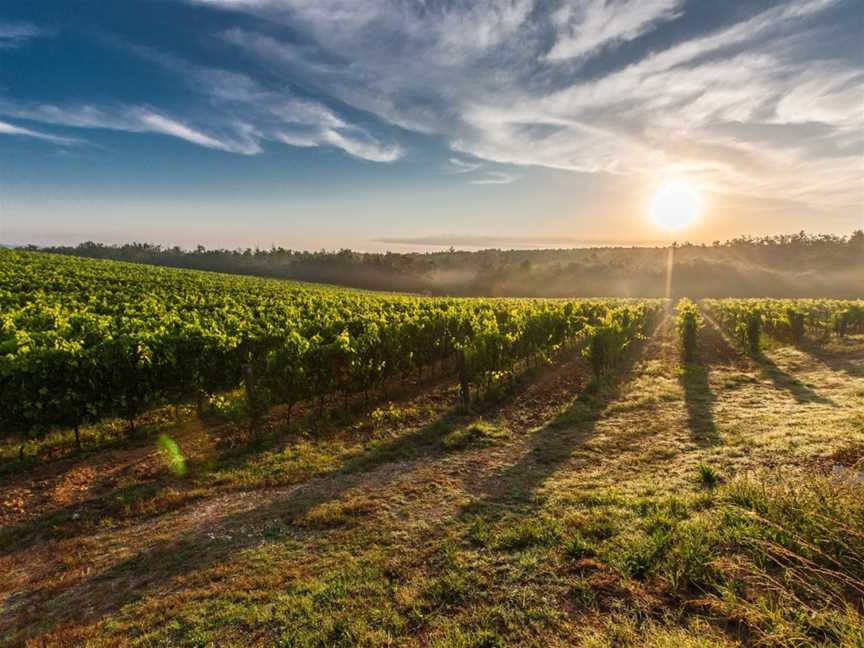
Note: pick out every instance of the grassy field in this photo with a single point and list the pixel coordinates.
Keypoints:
(720, 504)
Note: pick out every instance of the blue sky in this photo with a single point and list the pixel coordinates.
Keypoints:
(379, 124)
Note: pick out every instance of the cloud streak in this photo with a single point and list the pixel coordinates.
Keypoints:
(295, 124)
(241, 117)
(494, 177)
(278, 115)
(9, 129)
(134, 119)
(17, 34)
(587, 28)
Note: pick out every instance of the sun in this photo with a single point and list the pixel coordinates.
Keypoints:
(675, 205)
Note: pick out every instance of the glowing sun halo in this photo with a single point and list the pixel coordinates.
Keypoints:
(675, 205)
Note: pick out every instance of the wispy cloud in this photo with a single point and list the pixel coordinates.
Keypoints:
(361, 146)
(505, 90)
(135, 119)
(16, 34)
(277, 115)
(587, 27)
(155, 123)
(494, 177)
(462, 166)
(479, 173)
(267, 115)
(9, 129)
(295, 126)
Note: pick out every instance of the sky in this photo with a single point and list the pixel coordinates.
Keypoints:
(414, 124)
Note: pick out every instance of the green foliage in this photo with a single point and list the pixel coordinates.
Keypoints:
(610, 334)
(786, 319)
(392, 414)
(743, 318)
(82, 340)
(688, 321)
(227, 408)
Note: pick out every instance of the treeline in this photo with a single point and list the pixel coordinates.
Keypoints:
(795, 265)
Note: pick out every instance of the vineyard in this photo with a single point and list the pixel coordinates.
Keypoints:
(338, 467)
(787, 319)
(83, 340)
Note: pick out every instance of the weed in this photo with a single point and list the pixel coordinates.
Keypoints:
(530, 532)
(708, 475)
(450, 589)
(577, 547)
(391, 414)
(478, 433)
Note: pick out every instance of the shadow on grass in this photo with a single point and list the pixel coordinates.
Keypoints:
(58, 449)
(699, 401)
(218, 540)
(786, 382)
(208, 544)
(88, 516)
(83, 516)
(836, 361)
(555, 443)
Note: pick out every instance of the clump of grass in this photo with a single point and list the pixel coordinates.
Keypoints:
(581, 411)
(640, 553)
(622, 630)
(460, 637)
(450, 589)
(479, 433)
(480, 533)
(530, 532)
(576, 546)
(334, 514)
(707, 475)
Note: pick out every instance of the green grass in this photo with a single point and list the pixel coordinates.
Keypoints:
(616, 523)
(778, 560)
(708, 475)
(476, 434)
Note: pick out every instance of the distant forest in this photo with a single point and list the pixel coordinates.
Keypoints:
(796, 265)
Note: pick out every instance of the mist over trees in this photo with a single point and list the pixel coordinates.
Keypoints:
(794, 265)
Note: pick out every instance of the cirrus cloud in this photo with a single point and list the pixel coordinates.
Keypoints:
(16, 34)
(19, 131)
(517, 94)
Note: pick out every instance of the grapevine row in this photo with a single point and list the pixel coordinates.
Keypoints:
(792, 320)
(82, 340)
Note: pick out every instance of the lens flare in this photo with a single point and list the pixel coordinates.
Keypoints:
(173, 457)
